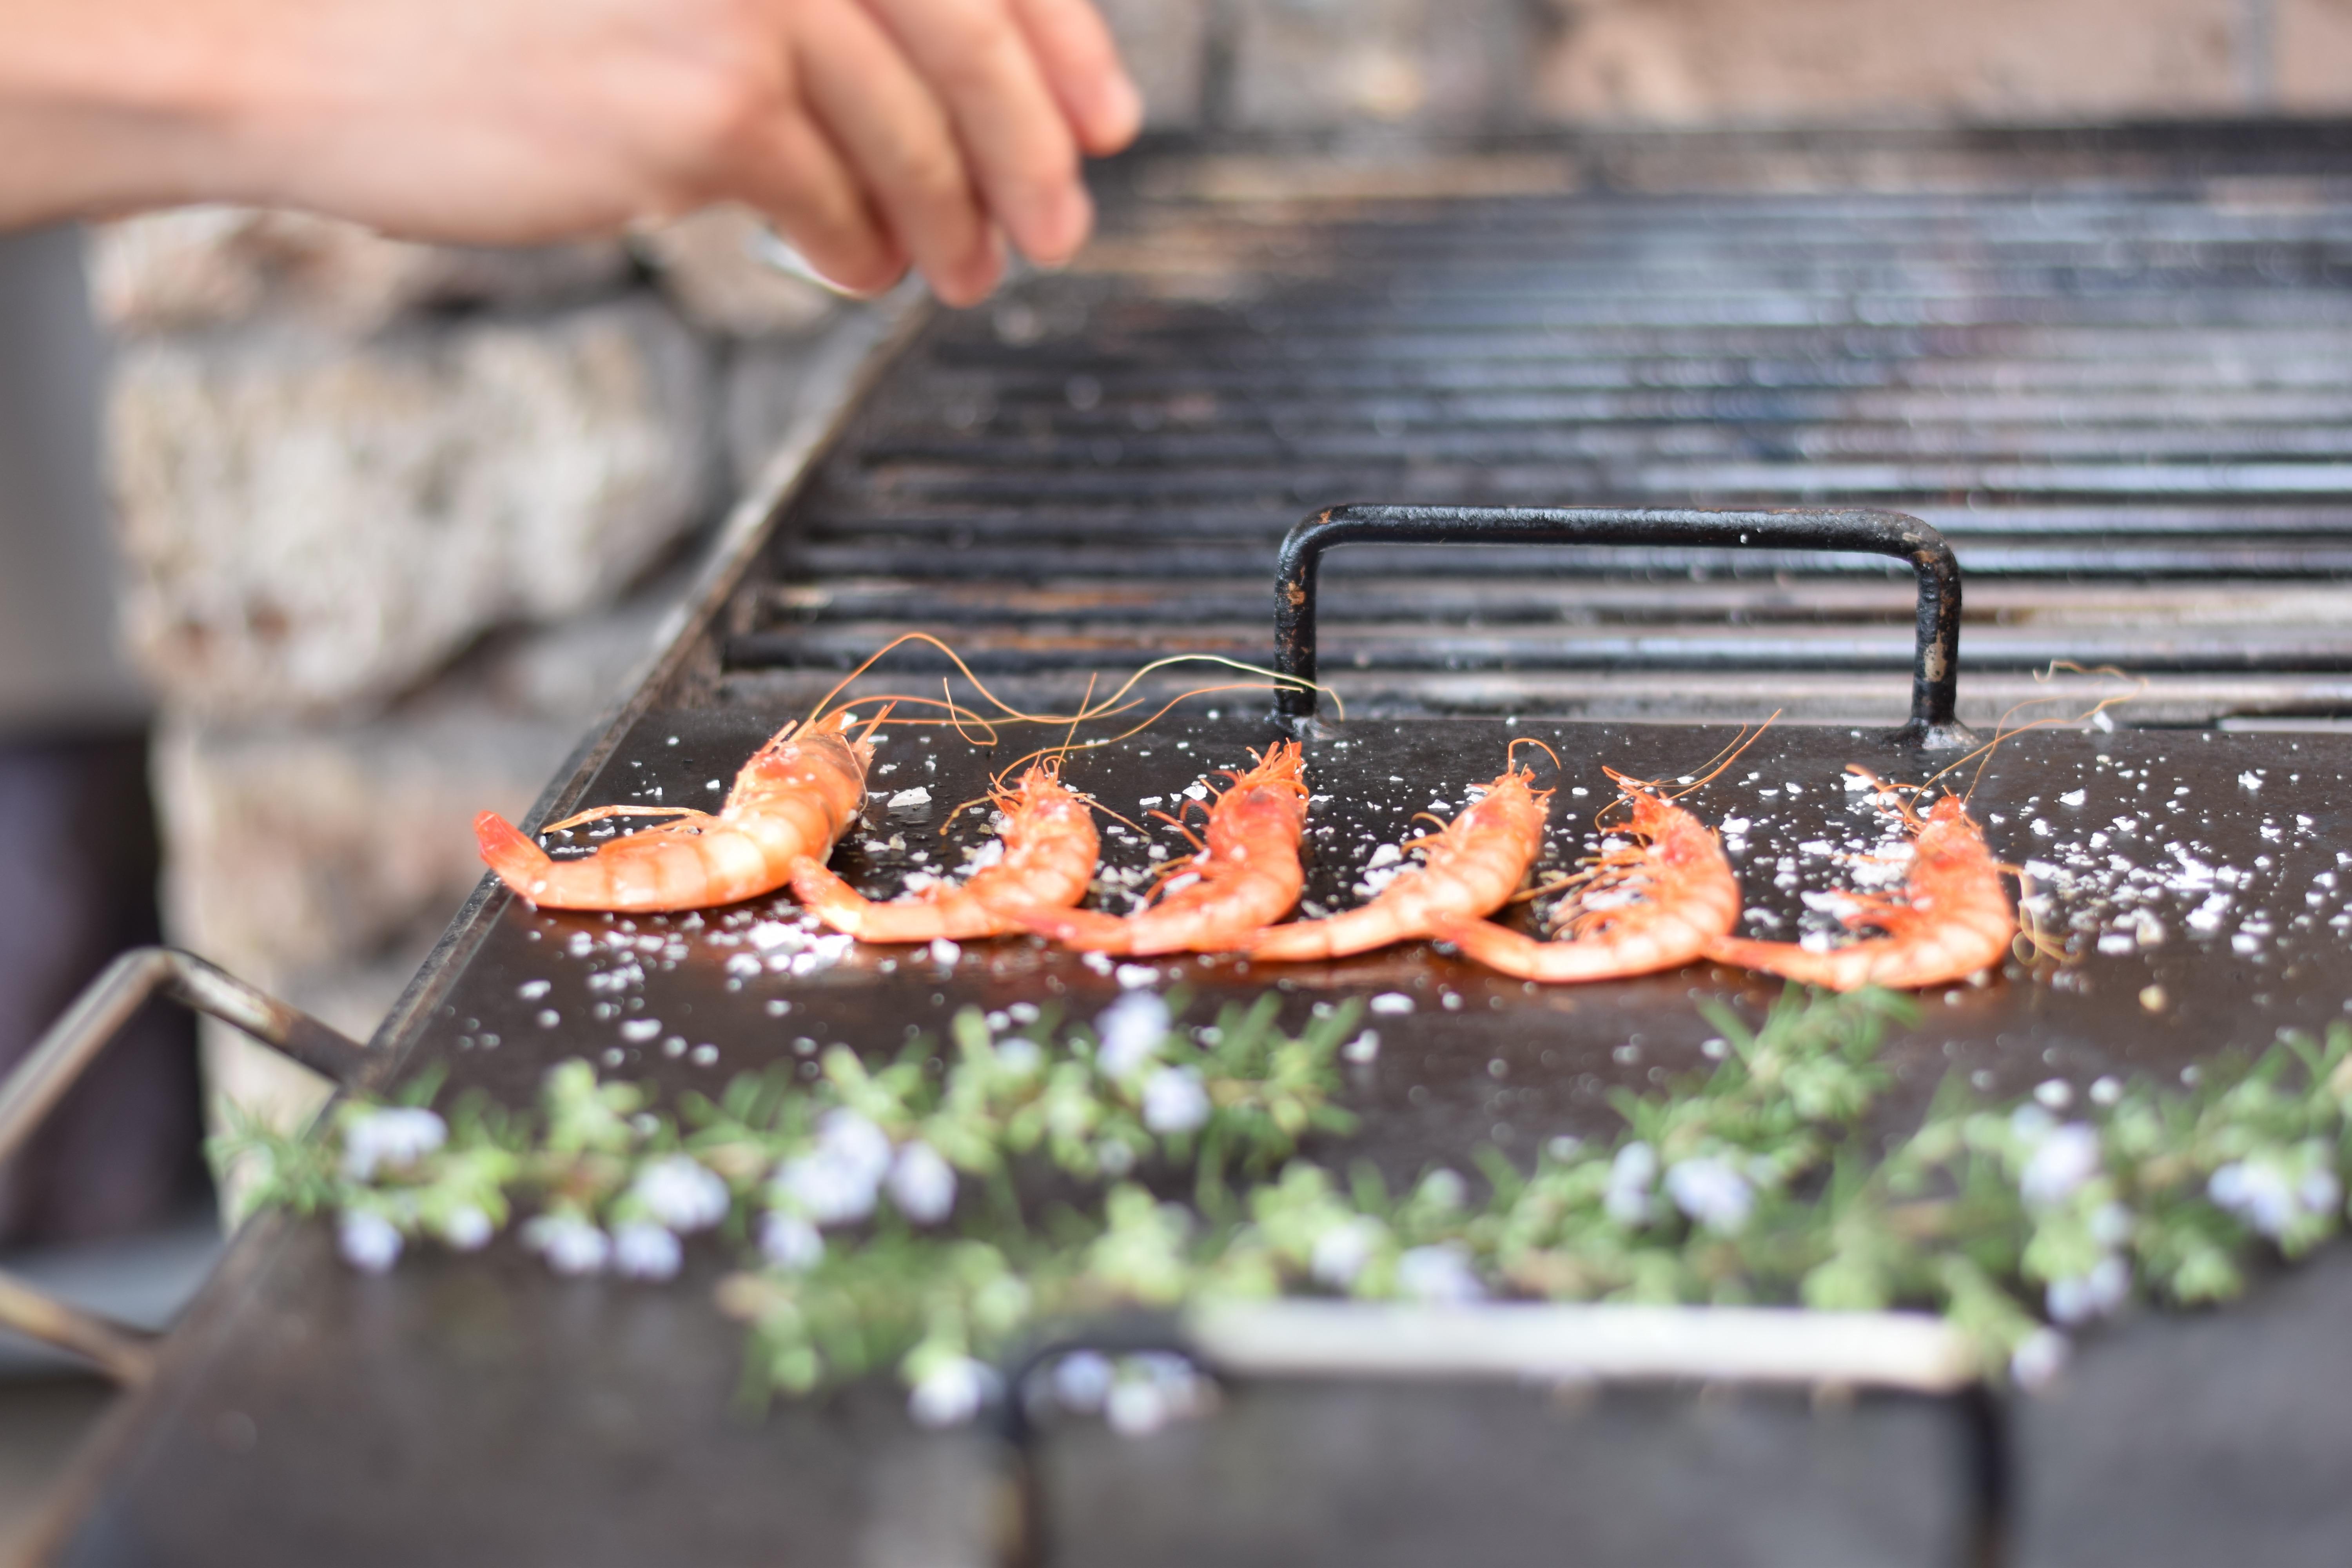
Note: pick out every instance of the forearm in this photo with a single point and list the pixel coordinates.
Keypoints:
(110, 105)
(871, 132)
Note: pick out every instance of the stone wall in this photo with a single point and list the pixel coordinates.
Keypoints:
(1474, 65)
(398, 521)
(399, 518)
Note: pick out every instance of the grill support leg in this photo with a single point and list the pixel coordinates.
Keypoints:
(64, 1052)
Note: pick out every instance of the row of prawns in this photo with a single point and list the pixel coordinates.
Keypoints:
(1664, 896)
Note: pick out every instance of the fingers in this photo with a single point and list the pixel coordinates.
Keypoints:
(1023, 155)
(897, 139)
(1082, 67)
(798, 180)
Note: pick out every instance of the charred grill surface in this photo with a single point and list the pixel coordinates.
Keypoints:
(2124, 400)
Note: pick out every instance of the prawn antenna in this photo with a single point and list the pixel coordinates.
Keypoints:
(1510, 752)
(2002, 732)
(1714, 766)
(1117, 702)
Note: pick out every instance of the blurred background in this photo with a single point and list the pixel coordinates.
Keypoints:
(316, 543)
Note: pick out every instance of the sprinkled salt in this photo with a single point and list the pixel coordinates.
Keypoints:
(1363, 1048)
(1627, 1200)
(532, 990)
(856, 1141)
(396, 1136)
(1174, 1101)
(1130, 1030)
(951, 1394)
(467, 1229)
(1081, 1381)
(824, 1189)
(680, 1193)
(2064, 1160)
(790, 1242)
(914, 799)
(1134, 976)
(1391, 1003)
(944, 952)
(2074, 797)
(1711, 1192)
(2039, 1359)
(2056, 1093)
(367, 1241)
(1135, 1409)
(1439, 1274)
(1340, 1253)
(570, 1243)
(922, 1183)
(644, 1251)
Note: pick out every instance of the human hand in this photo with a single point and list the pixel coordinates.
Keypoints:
(874, 133)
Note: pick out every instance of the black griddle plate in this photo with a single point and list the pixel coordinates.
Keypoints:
(479, 1410)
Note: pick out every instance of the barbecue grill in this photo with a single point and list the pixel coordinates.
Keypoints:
(2099, 376)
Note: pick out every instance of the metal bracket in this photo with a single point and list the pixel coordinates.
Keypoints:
(99, 1015)
(1935, 658)
(1908, 1352)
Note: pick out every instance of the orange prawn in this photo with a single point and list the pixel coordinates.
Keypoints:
(1050, 848)
(1473, 863)
(789, 803)
(1953, 920)
(1671, 893)
(1249, 873)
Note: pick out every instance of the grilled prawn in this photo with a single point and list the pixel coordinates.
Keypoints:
(1248, 869)
(1473, 863)
(1953, 920)
(1049, 853)
(788, 804)
(1650, 905)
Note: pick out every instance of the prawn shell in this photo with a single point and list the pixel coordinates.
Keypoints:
(790, 802)
(1250, 874)
(1956, 920)
(1051, 851)
(1474, 866)
(1690, 898)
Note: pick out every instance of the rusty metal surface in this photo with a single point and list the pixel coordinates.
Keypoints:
(1373, 1475)
(478, 1410)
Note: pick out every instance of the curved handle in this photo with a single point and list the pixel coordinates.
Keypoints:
(1935, 667)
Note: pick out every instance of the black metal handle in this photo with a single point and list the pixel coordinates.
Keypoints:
(1936, 660)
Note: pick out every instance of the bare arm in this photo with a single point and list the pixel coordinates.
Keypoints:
(876, 133)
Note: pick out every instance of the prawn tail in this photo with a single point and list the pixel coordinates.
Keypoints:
(1834, 969)
(831, 900)
(1483, 942)
(520, 863)
(1358, 930)
(1559, 962)
(1082, 931)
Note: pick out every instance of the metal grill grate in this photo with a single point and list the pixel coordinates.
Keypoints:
(2126, 399)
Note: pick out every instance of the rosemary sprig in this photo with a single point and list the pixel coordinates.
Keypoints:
(918, 1214)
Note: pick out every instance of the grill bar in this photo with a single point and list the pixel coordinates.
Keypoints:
(2125, 397)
